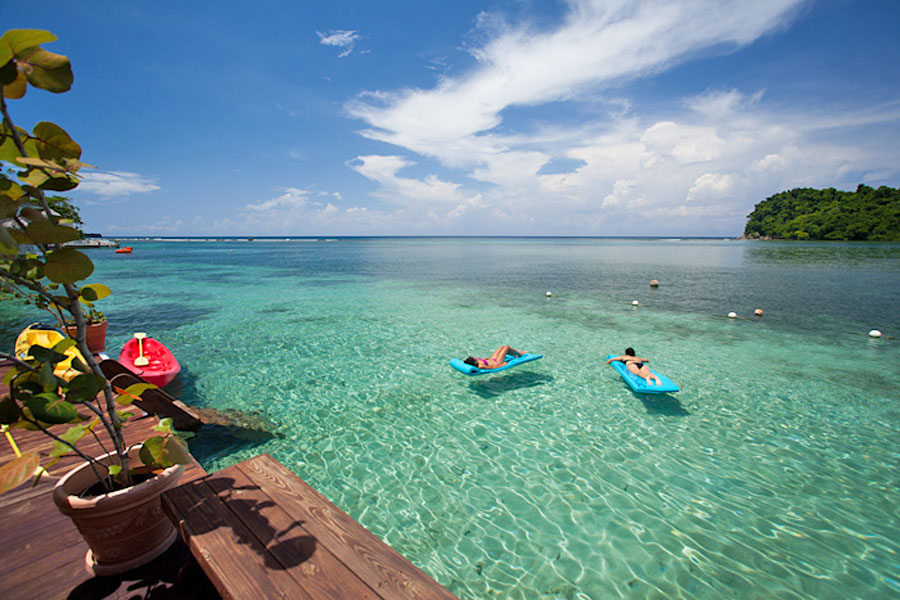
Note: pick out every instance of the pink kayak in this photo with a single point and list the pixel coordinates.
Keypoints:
(158, 365)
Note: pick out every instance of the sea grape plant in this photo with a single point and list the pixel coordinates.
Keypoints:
(37, 268)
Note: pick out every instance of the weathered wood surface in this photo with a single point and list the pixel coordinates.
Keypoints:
(259, 531)
(41, 552)
(154, 401)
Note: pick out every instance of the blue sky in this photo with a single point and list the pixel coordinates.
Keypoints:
(603, 117)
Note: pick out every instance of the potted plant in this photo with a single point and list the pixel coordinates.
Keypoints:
(96, 322)
(36, 268)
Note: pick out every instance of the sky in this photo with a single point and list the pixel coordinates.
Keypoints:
(509, 117)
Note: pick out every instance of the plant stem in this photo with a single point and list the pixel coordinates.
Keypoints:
(91, 461)
(111, 419)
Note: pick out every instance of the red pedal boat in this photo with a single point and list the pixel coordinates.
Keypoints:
(150, 359)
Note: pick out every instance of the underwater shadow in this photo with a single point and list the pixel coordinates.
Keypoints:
(224, 430)
(662, 404)
(493, 387)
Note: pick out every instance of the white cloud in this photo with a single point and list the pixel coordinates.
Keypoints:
(297, 211)
(683, 143)
(166, 225)
(601, 42)
(712, 154)
(116, 184)
(340, 38)
(406, 191)
(711, 186)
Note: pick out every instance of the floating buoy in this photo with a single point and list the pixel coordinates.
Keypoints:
(654, 283)
(549, 294)
(875, 333)
(634, 302)
(758, 312)
(732, 315)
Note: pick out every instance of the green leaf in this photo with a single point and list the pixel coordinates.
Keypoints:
(8, 186)
(45, 232)
(8, 74)
(97, 290)
(9, 411)
(18, 471)
(50, 408)
(60, 183)
(162, 452)
(41, 163)
(63, 345)
(53, 143)
(59, 449)
(8, 245)
(34, 177)
(68, 265)
(48, 379)
(74, 434)
(164, 425)
(133, 392)
(16, 88)
(17, 40)
(79, 365)
(114, 470)
(84, 387)
(8, 149)
(8, 207)
(45, 355)
(46, 70)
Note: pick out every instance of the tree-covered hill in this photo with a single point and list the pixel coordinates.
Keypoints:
(830, 214)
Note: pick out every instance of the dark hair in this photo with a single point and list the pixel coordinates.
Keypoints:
(471, 361)
(629, 351)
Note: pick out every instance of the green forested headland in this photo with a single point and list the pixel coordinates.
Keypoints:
(830, 214)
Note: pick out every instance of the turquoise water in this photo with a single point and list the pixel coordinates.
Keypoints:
(772, 474)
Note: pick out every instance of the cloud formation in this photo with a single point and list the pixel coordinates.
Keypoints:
(339, 38)
(116, 184)
(712, 154)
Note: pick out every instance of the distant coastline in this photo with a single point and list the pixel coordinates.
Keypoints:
(335, 238)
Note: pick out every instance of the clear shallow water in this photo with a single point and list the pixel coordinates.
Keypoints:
(772, 474)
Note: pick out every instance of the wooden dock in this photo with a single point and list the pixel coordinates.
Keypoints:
(259, 531)
(255, 529)
(41, 551)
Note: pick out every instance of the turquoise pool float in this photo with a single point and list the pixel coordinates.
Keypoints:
(511, 361)
(637, 384)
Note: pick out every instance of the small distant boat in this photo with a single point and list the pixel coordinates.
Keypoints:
(46, 336)
(125, 250)
(150, 359)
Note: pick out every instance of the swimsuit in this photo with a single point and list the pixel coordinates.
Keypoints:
(635, 363)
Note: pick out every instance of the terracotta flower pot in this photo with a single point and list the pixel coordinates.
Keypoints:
(95, 334)
(124, 529)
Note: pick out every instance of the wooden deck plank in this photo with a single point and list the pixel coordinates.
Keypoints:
(376, 563)
(210, 529)
(34, 532)
(310, 563)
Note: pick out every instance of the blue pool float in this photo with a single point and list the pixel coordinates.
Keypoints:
(637, 384)
(511, 361)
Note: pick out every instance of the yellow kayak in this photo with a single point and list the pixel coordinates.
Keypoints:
(47, 337)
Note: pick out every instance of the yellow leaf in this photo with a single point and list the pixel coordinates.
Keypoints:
(18, 471)
(17, 88)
